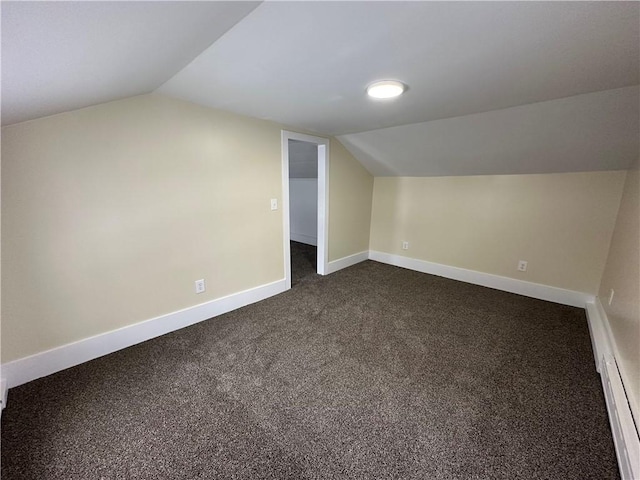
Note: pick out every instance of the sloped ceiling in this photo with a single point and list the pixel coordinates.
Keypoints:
(60, 56)
(494, 87)
(590, 132)
(307, 64)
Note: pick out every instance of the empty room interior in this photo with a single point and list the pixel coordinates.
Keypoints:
(320, 240)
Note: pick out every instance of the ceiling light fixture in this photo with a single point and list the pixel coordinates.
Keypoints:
(386, 89)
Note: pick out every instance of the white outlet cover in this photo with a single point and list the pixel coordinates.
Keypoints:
(200, 286)
(522, 266)
(274, 204)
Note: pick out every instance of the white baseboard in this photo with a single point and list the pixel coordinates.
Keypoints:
(625, 435)
(521, 287)
(606, 344)
(302, 238)
(345, 262)
(600, 342)
(51, 361)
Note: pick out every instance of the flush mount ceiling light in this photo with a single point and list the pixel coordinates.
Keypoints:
(386, 89)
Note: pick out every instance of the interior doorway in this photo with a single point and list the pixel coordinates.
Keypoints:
(305, 201)
(303, 209)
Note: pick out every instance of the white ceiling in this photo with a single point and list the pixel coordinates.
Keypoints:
(307, 64)
(60, 56)
(473, 69)
(590, 132)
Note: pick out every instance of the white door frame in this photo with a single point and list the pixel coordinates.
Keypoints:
(323, 201)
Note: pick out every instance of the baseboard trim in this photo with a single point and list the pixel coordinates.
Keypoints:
(600, 341)
(302, 238)
(512, 285)
(625, 435)
(604, 344)
(345, 262)
(51, 361)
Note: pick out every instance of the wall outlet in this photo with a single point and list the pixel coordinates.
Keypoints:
(522, 266)
(405, 245)
(611, 296)
(200, 286)
(274, 204)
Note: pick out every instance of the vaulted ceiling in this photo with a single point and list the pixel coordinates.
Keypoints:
(60, 56)
(494, 87)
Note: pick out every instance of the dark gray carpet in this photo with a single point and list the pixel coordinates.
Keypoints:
(303, 263)
(374, 372)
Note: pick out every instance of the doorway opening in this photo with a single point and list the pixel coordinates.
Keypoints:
(304, 205)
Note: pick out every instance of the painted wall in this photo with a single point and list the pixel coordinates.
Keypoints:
(560, 223)
(350, 194)
(622, 274)
(303, 159)
(110, 213)
(303, 210)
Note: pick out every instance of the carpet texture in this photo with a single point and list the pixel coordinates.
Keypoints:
(303, 263)
(374, 372)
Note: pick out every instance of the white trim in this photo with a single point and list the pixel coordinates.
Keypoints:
(604, 344)
(51, 361)
(625, 436)
(613, 347)
(286, 238)
(302, 238)
(528, 289)
(348, 261)
(323, 207)
(3, 392)
(323, 201)
(599, 337)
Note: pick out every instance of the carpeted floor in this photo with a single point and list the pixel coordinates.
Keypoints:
(303, 263)
(374, 372)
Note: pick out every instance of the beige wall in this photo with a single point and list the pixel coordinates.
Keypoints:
(560, 223)
(350, 193)
(110, 213)
(622, 274)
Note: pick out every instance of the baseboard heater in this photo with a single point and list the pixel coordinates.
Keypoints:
(625, 435)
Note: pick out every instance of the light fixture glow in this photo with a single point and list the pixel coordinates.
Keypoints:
(386, 89)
